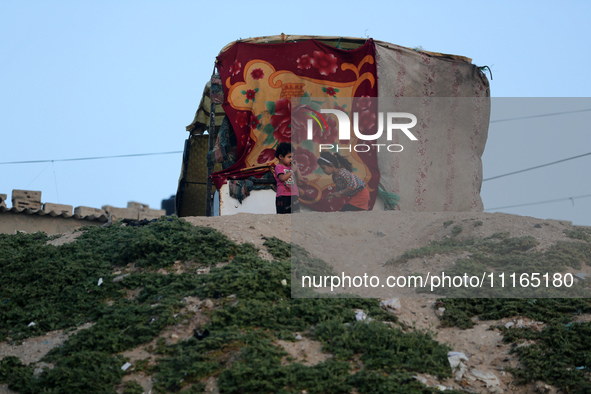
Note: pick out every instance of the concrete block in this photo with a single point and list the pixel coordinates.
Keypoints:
(88, 211)
(23, 204)
(150, 214)
(121, 213)
(137, 205)
(26, 195)
(57, 208)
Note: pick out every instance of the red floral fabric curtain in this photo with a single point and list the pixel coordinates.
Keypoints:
(260, 81)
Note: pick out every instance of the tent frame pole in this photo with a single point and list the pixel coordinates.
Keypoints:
(211, 132)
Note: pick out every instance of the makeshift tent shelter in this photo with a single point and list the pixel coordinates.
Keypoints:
(247, 108)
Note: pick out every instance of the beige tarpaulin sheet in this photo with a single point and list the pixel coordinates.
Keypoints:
(442, 171)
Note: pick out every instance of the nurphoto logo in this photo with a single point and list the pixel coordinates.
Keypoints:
(344, 126)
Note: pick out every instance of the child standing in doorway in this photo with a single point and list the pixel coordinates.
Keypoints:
(287, 200)
(347, 184)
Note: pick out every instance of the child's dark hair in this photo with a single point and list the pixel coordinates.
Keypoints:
(283, 149)
(335, 160)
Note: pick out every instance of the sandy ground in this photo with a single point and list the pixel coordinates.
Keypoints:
(364, 242)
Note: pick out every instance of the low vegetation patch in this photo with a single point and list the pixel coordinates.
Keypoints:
(513, 258)
(62, 287)
(560, 353)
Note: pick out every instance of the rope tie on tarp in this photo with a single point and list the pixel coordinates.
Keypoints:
(483, 68)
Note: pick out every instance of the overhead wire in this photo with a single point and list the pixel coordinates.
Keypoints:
(38, 175)
(91, 158)
(540, 115)
(540, 202)
(540, 166)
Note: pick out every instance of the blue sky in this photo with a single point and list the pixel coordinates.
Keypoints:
(88, 79)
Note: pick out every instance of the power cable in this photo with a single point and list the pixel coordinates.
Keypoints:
(55, 181)
(533, 168)
(539, 202)
(540, 115)
(38, 175)
(91, 158)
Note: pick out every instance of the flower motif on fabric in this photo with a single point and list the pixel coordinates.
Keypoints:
(255, 122)
(304, 62)
(266, 156)
(365, 107)
(330, 91)
(326, 63)
(320, 133)
(250, 93)
(242, 118)
(307, 161)
(328, 136)
(257, 73)
(289, 123)
(281, 120)
(367, 121)
(307, 191)
(245, 139)
(363, 103)
(235, 68)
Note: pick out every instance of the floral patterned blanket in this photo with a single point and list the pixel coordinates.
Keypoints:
(268, 86)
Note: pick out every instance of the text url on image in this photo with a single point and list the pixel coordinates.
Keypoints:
(441, 280)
